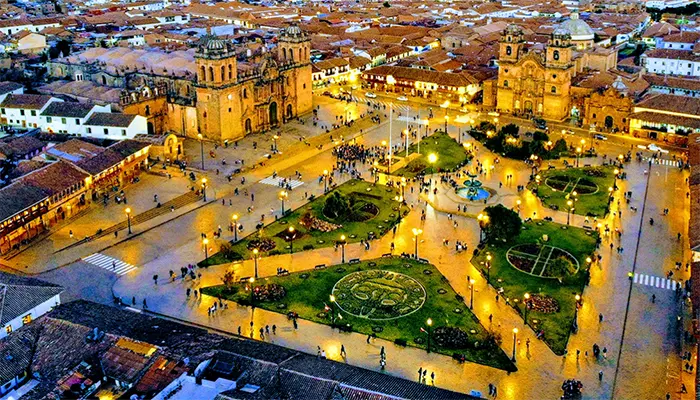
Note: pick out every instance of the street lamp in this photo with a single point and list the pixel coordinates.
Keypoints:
(403, 187)
(578, 304)
(252, 299)
(201, 148)
(578, 156)
(235, 227)
(274, 142)
(483, 221)
(205, 243)
(332, 298)
(255, 257)
(515, 335)
(290, 231)
(488, 269)
(430, 325)
(447, 118)
(325, 180)
(342, 248)
(527, 305)
(471, 298)
(617, 172)
(432, 159)
(416, 233)
(283, 195)
(518, 203)
(128, 218)
(568, 211)
(204, 188)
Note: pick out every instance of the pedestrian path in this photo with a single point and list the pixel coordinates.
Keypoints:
(384, 103)
(278, 181)
(655, 281)
(662, 161)
(111, 264)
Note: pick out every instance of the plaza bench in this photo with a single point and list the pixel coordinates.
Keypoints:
(386, 255)
(320, 266)
(423, 260)
(354, 261)
(245, 279)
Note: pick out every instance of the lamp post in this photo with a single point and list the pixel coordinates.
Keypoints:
(483, 221)
(128, 219)
(488, 269)
(578, 156)
(617, 172)
(332, 298)
(283, 195)
(518, 203)
(205, 243)
(447, 118)
(290, 231)
(325, 180)
(274, 143)
(430, 326)
(416, 233)
(255, 257)
(204, 188)
(578, 304)
(471, 298)
(515, 336)
(568, 210)
(342, 249)
(403, 187)
(432, 159)
(201, 148)
(252, 299)
(235, 227)
(527, 305)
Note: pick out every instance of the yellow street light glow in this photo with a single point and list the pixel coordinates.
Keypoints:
(205, 241)
(578, 149)
(429, 322)
(488, 257)
(610, 189)
(332, 299)
(342, 237)
(204, 180)
(588, 260)
(128, 210)
(325, 172)
(235, 217)
(617, 171)
(256, 251)
(199, 135)
(417, 231)
(383, 142)
(577, 297)
(527, 296)
(515, 330)
(432, 158)
(518, 202)
(251, 280)
(472, 281)
(569, 203)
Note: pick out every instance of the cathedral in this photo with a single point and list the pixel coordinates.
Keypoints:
(538, 80)
(236, 96)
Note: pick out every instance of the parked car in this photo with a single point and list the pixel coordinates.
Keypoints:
(402, 98)
(567, 132)
(371, 95)
(494, 113)
(656, 148)
(600, 137)
(540, 123)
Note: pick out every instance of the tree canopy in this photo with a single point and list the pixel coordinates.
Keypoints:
(503, 223)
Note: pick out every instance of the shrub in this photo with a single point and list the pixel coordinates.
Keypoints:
(400, 342)
(308, 247)
(275, 253)
(337, 206)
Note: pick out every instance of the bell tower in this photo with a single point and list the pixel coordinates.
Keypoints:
(559, 49)
(216, 64)
(512, 44)
(294, 46)
(294, 60)
(559, 70)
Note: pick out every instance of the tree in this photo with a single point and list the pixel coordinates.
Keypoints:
(510, 130)
(229, 279)
(560, 146)
(337, 205)
(503, 223)
(386, 4)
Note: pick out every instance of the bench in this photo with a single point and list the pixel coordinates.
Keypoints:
(354, 261)
(320, 266)
(423, 260)
(386, 255)
(245, 279)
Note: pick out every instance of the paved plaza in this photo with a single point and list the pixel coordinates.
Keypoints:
(641, 338)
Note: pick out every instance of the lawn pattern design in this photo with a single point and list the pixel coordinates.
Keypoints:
(379, 295)
(581, 186)
(545, 254)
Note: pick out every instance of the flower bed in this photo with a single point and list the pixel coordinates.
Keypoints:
(543, 303)
(269, 292)
(264, 244)
(313, 223)
(451, 337)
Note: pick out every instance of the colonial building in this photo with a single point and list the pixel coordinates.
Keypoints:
(255, 95)
(529, 80)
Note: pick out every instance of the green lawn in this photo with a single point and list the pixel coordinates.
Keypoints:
(450, 155)
(380, 198)
(590, 183)
(515, 283)
(308, 293)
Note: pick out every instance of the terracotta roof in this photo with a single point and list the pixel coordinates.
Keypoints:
(669, 102)
(672, 54)
(18, 295)
(7, 87)
(123, 365)
(25, 145)
(415, 74)
(648, 116)
(128, 147)
(672, 82)
(683, 37)
(160, 374)
(17, 354)
(101, 162)
(27, 101)
(68, 110)
(110, 119)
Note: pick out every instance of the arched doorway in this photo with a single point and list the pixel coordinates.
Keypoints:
(150, 128)
(273, 113)
(289, 111)
(528, 106)
(248, 126)
(609, 122)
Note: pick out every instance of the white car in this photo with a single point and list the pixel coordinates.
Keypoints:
(494, 113)
(653, 147)
(402, 98)
(371, 95)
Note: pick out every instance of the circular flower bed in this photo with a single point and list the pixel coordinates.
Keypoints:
(264, 244)
(543, 303)
(269, 292)
(450, 337)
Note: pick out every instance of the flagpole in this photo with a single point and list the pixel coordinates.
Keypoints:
(391, 118)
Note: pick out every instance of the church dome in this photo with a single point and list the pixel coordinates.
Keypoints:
(293, 30)
(577, 28)
(513, 30)
(216, 44)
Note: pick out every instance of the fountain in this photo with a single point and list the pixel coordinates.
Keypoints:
(473, 190)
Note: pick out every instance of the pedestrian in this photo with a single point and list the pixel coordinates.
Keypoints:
(605, 352)
(683, 388)
(267, 329)
(274, 329)
(368, 337)
(490, 389)
(294, 322)
(239, 330)
(491, 315)
(420, 373)
(600, 375)
(71, 233)
(527, 344)
(262, 333)
(578, 353)
(323, 354)
(381, 352)
(600, 317)
(342, 351)
(432, 378)
(144, 304)
(318, 351)
(495, 391)
(497, 298)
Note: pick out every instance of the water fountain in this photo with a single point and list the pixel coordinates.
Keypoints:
(473, 190)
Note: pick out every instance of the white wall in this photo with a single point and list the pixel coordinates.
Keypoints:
(35, 312)
(665, 66)
(31, 118)
(138, 126)
(70, 125)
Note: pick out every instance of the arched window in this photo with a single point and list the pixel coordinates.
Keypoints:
(509, 50)
(223, 73)
(248, 126)
(230, 71)
(555, 55)
(284, 53)
(211, 74)
(148, 110)
(505, 83)
(245, 93)
(203, 75)
(554, 89)
(299, 54)
(306, 53)
(204, 115)
(104, 80)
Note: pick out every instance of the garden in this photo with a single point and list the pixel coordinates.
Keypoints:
(587, 188)
(450, 155)
(550, 263)
(392, 298)
(357, 210)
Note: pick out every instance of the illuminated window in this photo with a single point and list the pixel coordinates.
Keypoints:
(27, 319)
(8, 329)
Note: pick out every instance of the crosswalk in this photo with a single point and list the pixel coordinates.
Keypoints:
(663, 161)
(111, 264)
(656, 281)
(278, 181)
(398, 107)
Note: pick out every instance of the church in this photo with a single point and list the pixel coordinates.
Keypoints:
(536, 80)
(238, 97)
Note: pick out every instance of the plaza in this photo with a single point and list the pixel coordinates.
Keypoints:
(429, 224)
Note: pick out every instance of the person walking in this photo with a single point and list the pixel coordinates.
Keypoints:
(420, 373)
(600, 375)
(382, 354)
(342, 351)
(432, 378)
(527, 345)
